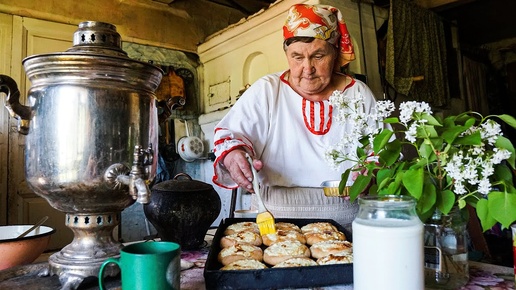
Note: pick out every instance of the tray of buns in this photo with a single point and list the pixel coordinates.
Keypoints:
(303, 253)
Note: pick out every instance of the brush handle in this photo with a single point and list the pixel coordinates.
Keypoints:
(256, 186)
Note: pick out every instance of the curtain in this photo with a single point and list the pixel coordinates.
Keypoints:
(416, 53)
(474, 74)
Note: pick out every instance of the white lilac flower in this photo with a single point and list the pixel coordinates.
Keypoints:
(459, 188)
(477, 150)
(407, 110)
(490, 131)
(411, 132)
(484, 186)
(385, 109)
(500, 155)
(487, 169)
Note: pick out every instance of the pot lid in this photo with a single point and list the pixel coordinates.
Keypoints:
(182, 182)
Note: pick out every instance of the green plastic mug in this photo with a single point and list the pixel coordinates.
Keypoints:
(147, 265)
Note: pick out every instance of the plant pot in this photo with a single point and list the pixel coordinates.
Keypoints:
(446, 250)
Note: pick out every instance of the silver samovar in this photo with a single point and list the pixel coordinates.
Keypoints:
(91, 148)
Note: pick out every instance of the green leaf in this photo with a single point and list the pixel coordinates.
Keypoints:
(383, 174)
(427, 200)
(344, 179)
(451, 133)
(426, 151)
(431, 120)
(473, 139)
(426, 131)
(392, 152)
(445, 201)
(501, 207)
(503, 173)
(505, 143)
(482, 210)
(381, 140)
(510, 120)
(413, 181)
(359, 185)
(391, 120)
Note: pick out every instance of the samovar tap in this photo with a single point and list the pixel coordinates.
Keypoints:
(116, 174)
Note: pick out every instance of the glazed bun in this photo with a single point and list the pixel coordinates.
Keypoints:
(251, 238)
(239, 252)
(318, 227)
(325, 248)
(335, 259)
(296, 262)
(316, 237)
(283, 235)
(245, 264)
(287, 227)
(281, 251)
(242, 227)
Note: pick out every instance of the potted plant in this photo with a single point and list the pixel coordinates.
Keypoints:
(445, 163)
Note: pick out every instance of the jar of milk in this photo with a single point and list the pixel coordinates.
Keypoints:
(388, 247)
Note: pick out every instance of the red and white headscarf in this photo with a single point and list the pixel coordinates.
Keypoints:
(322, 22)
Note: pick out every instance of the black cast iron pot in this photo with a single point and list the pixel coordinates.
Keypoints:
(182, 210)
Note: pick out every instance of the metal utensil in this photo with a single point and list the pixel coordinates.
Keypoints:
(44, 219)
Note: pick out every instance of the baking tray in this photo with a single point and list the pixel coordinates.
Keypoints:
(273, 278)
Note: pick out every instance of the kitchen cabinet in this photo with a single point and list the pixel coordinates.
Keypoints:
(20, 205)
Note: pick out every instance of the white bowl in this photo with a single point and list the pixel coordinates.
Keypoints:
(20, 251)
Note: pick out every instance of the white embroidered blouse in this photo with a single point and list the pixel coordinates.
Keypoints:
(288, 133)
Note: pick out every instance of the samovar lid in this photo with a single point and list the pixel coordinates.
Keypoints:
(96, 56)
(97, 37)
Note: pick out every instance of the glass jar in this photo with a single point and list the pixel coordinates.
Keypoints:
(446, 250)
(387, 244)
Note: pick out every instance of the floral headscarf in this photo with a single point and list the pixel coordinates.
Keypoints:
(322, 22)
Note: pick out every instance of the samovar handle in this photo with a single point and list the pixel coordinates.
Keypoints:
(12, 103)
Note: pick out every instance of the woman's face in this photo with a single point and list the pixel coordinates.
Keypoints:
(311, 66)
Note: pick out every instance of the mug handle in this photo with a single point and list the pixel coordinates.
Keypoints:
(101, 271)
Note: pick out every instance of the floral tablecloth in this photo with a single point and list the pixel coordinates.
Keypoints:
(482, 276)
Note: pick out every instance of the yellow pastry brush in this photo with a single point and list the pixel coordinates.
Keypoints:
(264, 219)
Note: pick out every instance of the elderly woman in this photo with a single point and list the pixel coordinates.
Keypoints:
(284, 121)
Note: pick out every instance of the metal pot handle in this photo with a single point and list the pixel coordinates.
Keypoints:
(179, 175)
(12, 103)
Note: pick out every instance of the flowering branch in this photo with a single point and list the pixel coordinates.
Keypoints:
(457, 160)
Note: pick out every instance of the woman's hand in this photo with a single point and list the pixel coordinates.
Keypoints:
(239, 169)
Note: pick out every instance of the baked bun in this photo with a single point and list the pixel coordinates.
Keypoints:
(316, 237)
(318, 227)
(283, 235)
(281, 251)
(245, 264)
(296, 262)
(325, 248)
(242, 227)
(287, 227)
(245, 237)
(238, 252)
(336, 259)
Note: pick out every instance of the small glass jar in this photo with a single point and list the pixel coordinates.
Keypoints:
(446, 250)
(387, 244)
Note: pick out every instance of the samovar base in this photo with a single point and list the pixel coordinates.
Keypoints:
(93, 243)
